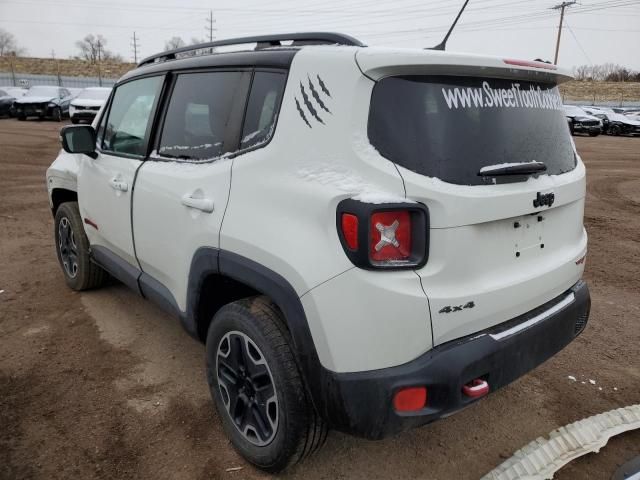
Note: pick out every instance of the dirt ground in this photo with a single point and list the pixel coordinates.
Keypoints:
(104, 385)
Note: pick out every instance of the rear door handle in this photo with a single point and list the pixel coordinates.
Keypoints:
(203, 204)
(118, 184)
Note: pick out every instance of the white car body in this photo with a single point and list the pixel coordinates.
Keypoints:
(416, 215)
(463, 220)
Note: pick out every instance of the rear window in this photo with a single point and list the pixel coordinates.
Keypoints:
(452, 127)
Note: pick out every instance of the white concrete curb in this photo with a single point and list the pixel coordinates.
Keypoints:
(543, 457)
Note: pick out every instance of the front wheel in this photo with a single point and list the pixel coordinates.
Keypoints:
(72, 247)
(615, 130)
(255, 384)
(57, 114)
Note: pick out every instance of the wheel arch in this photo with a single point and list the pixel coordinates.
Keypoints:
(61, 195)
(233, 277)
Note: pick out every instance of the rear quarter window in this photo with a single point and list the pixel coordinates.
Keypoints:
(451, 127)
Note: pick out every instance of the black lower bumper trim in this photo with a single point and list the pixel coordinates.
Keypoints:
(361, 403)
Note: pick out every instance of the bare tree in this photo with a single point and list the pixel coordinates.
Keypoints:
(173, 43)
(92, 49)
(8, 44)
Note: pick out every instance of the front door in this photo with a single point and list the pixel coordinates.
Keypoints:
(105, 183)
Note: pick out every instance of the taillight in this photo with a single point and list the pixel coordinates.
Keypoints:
(387, 236)
(350, 230)
(390, 237)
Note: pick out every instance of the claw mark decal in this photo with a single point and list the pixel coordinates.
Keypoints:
(316, 96)
(309, 105)
(313, 98)
(301, 112)
(323, 86)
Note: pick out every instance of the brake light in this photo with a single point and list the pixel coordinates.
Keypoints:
(350, 230)
(410, 399)
(390, 237)
(383, 236)
(529, 63)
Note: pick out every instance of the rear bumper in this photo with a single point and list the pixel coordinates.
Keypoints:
(361, 403)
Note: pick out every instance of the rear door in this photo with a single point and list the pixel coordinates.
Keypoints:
(105, 184)
(183, 188)
(500, 245)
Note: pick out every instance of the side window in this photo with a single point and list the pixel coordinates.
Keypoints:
(101, 126)
(263, 107)
(198, 115)
(131, 108)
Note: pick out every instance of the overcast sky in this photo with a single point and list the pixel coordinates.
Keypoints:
(596, 31)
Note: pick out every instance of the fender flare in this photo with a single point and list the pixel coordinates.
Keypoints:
(207, 261)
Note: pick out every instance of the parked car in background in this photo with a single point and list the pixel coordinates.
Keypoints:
(14, 92)
(87, 104)
(44, 102)
(581, 122)
(619, 124)
(6, 102)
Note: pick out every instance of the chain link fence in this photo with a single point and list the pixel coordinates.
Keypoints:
(26, 80)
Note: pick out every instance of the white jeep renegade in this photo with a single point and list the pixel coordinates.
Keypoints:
(367, 239)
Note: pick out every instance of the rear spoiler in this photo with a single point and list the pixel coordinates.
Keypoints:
(383, 62)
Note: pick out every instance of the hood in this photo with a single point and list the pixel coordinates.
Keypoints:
(583, 118)
(617, 117)
(86, 102)
(36, 99)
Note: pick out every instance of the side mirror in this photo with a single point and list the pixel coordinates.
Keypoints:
(79, 139)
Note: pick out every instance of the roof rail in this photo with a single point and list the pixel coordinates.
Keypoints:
(262, 41)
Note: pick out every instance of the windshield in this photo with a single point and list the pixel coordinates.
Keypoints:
(98, 94)
(452, 127)
(43, 92)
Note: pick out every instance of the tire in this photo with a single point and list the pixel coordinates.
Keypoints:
(615, 130)
(72, 249)
(74, 120)
(594, 134)
(57, 114)
(249, 335)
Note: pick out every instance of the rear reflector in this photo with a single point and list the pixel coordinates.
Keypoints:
(528, 63)
(410, 399)
(350, 230)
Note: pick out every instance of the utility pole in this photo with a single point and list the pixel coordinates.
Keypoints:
(210, 22)
(560, 7)
(99, 46)
(135, 46)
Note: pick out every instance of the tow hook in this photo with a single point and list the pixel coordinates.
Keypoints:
(476, 388)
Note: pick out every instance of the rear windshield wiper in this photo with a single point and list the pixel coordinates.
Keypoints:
(526, 168)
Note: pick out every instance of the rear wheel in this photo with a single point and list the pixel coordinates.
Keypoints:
(72, 247)
(256, 387)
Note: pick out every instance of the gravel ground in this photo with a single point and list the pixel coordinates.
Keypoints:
(104, 385)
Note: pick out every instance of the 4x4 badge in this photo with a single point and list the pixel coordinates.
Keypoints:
(456, 308)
